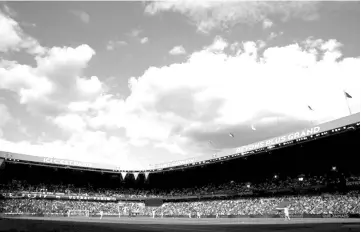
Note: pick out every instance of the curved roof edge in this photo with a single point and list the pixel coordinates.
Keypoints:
(341, 122)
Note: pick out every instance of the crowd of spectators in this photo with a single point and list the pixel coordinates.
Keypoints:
(302, 181)
(325, 204)
(334, 204)
(319, 204)
(231, 187)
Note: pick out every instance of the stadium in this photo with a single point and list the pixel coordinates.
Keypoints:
(180, 115)
(313, 172)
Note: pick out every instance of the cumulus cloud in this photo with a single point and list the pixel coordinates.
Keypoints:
(70, 122)
(82, 143)
(82, 15)
(87, 146)
(176, 109)
(207, 15)
(218, 45)
(273, 35)
(174, 148)
(42, 87)
(177, 50)
(242, 82)
(55, 89)
(136, 33)
(9, 37)
(144, 40)
(13, 38)
(214, 89)
(5, 117)
(267, 23)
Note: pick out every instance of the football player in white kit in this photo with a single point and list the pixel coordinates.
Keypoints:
(198, 215)
(101, 214)
(287, 213)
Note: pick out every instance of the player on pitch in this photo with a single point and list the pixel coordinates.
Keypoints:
(198, 215)
(287, 213)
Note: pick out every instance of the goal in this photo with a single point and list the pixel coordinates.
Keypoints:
(78, 213)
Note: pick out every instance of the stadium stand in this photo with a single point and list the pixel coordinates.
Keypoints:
(318, 177)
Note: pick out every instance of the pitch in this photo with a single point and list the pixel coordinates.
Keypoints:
(54, 224)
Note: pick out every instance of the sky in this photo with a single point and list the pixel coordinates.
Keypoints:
(139, 83)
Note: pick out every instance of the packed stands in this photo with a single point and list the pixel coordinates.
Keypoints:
(332, 204)
(317, 177)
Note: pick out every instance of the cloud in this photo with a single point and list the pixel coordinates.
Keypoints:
(70, 122)
(218, 45)
(5, 117)
(139, 142)
(12, 37)
(144, 40)
(111, 45)
(42, 87)
(22, 128)
(87, 146)
(267, 23)
(175, 110)
(9, 36)
(177, 50)
(178, 108)
(207, 15)
(82, 15)
(174, 148)
(13, 14)
(215, 88)
(273, 35)
(9, 11)
(135, 33)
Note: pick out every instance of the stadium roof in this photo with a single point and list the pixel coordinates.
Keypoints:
(319, 130)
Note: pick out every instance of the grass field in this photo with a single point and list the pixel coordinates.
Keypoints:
(83, 224)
